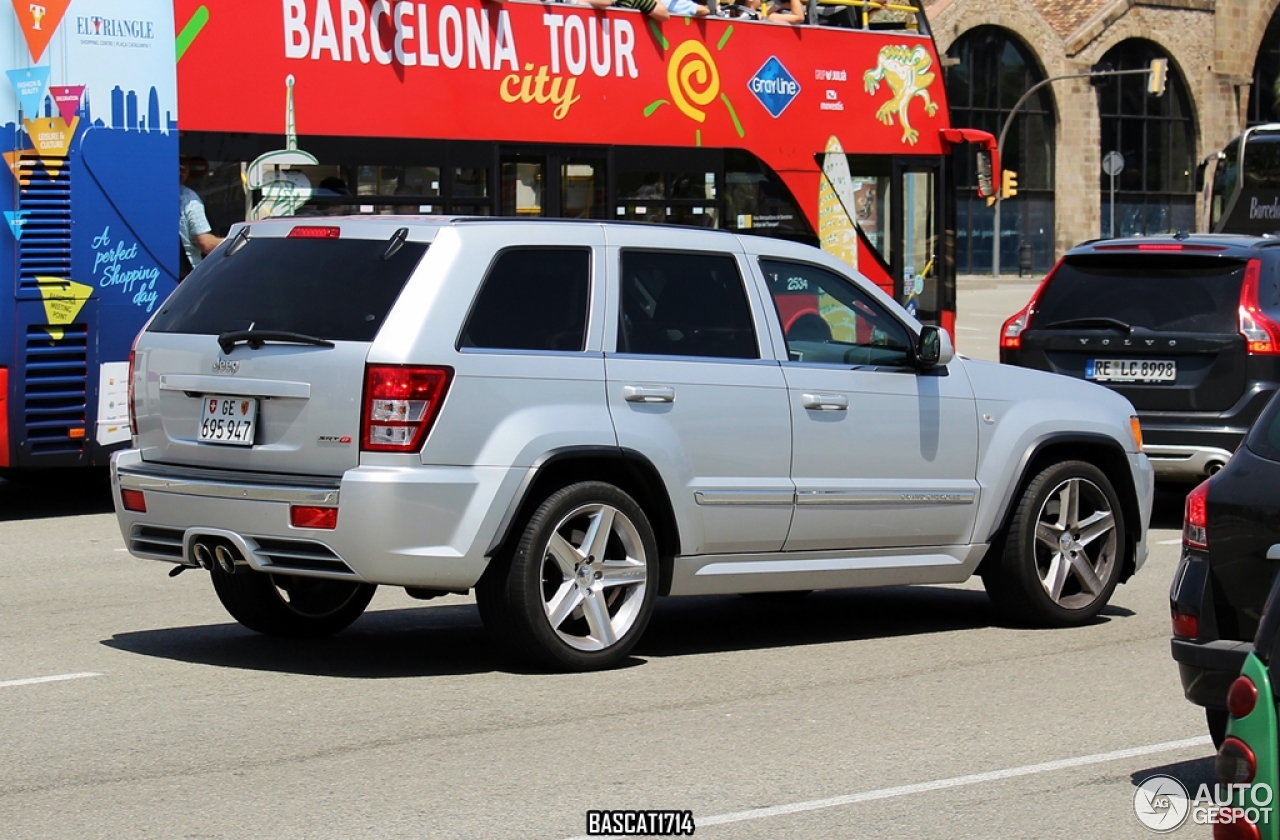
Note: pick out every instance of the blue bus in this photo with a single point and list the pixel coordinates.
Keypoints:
(90, 234)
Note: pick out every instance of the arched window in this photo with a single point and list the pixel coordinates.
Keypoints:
(996, 68)
(1264, 94)
(1155, 192)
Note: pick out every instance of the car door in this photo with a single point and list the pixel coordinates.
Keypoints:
(691, 388)
(883, 454)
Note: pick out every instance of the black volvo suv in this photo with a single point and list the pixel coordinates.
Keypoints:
(1186, 326)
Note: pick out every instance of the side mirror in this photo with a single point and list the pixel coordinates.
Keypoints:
(934, 348)
(986, 183)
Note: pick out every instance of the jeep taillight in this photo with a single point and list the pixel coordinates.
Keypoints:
(1011, 330)
(400, 404)
(1261, 334)
(1195, 522)
(133, 411)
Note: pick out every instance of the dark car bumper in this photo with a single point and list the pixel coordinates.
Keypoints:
(1207, 669)
(1190, 445)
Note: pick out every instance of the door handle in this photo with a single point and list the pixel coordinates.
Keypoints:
(825, 402)
(648, 393)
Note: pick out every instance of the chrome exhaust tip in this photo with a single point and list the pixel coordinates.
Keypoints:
(1212, 467)
(203, 556)
(226, 559)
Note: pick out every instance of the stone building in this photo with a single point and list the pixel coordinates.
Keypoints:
(1224, 69)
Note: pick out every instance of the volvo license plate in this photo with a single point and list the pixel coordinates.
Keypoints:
(1130, 370)
(228, 420)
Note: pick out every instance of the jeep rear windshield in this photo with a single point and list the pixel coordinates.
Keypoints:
(335, 289)
(1159, 292)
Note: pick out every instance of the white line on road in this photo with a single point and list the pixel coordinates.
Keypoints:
(57, 678)
(943, 784)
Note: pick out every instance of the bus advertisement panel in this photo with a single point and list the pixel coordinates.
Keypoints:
(91, 154)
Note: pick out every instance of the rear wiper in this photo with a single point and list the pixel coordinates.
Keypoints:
(1090, 322)
(256, 338)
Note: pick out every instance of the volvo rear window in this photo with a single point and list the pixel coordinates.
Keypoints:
(336, 289)
(1264, 437)
(1160, 292)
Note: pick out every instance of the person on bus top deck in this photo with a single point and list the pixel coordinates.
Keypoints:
(193, 226)
(655, 9)
(787, 11)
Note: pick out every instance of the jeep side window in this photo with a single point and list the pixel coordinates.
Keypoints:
(532, 299)
(684, 304)
(828, 320)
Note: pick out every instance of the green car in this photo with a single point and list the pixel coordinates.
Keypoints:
(1249, 758)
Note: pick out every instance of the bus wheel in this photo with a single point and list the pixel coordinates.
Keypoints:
(287, 605)
(1061, 553)
(577, 592)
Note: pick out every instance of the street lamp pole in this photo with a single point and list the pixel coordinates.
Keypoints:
(1004, 131)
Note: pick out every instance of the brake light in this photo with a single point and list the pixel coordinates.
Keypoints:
(1012, 329)
(133, 412)
(1236, 764)
(306, 516)
(1185, 626)
(1160, 246)
(314, 232)
(1195, 522)
(1261, 334)
(133, 500)
(1242, 697)
(400, 404)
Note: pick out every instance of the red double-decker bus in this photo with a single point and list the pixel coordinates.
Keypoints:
(833, 134)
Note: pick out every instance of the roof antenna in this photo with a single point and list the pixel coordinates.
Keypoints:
(1182, 234)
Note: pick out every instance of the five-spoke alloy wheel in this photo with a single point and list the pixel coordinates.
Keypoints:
(1062, 551)
(579, 588)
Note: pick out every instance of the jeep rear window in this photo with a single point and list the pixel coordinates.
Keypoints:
(1160, 292)
(336, 289)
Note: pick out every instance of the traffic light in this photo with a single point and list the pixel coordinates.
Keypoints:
(1159, 75)
(1009, 184)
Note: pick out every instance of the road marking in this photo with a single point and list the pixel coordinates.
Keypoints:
(57, 678)
(943, 784)
(970, 329)
(1169, 542)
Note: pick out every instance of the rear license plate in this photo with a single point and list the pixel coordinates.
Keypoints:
(228, 420)
(1130, 370)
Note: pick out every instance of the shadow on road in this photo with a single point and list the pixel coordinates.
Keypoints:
(1192, 773)
(55, 493)
(450, 639)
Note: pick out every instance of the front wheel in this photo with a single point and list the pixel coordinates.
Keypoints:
(1061, 555)
(577, 592)
(287, 605)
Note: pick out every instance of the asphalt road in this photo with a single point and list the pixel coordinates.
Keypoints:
(897, 713)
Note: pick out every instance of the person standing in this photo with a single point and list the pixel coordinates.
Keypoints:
(193, 226)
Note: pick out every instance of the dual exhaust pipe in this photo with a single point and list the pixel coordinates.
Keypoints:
(210, 553)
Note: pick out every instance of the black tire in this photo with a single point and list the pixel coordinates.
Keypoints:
(1217, 720)
(605, 592)
(288, 605)
(1079, 555)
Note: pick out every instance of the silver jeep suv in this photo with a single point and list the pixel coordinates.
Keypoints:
(573, 418)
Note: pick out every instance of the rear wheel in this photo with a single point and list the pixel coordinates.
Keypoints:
(1061, 555)
(577, 592)
(1217, 720)
(287, 605)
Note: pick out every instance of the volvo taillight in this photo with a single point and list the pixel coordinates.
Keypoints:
(400, 404)
(1011, 330)
(1261, 334)
(1195, 522)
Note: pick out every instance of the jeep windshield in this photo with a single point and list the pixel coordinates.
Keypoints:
(321, 289)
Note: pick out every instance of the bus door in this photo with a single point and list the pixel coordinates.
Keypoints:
(915, 249)
(559, 183)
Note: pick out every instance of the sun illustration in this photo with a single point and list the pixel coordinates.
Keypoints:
(693, 81)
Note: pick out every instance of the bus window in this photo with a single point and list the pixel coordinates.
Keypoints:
(1224, 182)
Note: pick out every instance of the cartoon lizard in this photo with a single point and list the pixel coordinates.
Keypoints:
(904, 68)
